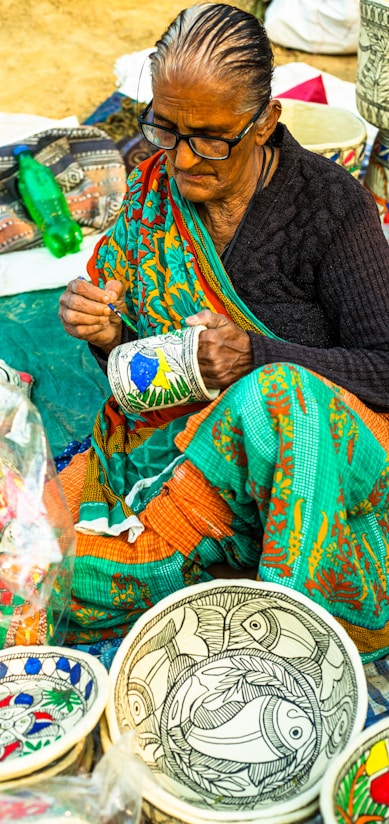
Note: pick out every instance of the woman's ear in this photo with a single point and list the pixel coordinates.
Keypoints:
(268, 122)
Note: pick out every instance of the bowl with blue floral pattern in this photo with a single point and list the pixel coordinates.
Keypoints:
(50, 699)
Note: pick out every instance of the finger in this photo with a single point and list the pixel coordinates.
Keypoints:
(85, 332)
(84, 299)
(115, 290)
(205, 317)
(89, 314)
(83, 286)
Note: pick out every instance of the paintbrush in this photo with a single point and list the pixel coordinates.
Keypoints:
(120, 315)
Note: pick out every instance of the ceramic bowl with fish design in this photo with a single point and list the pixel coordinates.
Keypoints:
(240, 694)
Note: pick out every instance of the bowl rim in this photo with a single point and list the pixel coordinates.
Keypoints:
(41, 758)
(283, 807)
(189, 813)
(342, 145)
(52, 770)
(357, 746)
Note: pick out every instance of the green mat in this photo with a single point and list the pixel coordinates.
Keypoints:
(69, 386)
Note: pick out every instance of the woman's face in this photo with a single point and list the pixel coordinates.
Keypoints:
(210, 108)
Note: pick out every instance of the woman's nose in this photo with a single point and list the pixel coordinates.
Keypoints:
(185, 157)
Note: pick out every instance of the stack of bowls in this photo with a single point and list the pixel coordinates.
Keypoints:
(51, 698)
(240, 693)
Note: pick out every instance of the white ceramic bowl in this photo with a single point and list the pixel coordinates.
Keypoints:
(68, 764)
(356, 784)
(240, 693)
(50, 699)
(330, 131)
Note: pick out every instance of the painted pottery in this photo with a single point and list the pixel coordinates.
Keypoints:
(241, 693)
(377, 174)
(356, 786)
(50, 698)
(327, 130)
(158, 371)
(175, 812)
(68, 764)
(372, 80)
(372, 94)
(105, 740)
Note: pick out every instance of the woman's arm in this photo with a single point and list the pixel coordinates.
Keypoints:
(353, 290)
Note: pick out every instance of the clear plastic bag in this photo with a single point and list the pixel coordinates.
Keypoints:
(111, 795)
(37, 537)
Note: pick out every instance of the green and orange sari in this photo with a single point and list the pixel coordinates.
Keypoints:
(284, 471)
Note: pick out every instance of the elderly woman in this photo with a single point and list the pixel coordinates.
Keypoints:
(279, 253)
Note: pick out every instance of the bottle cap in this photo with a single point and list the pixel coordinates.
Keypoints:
(19, 149)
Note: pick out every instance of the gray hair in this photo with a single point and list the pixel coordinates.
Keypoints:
(217, 41)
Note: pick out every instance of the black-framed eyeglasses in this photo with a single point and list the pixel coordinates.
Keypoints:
(210, 148)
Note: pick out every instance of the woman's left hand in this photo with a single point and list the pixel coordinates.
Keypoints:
(224, 352)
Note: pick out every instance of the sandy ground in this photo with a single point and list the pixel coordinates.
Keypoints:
(58, 56)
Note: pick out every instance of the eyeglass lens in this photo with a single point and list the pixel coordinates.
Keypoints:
(208, 147)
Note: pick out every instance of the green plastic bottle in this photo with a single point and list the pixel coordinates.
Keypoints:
(46, 204)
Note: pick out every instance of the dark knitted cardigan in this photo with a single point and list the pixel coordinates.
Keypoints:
(311, 262)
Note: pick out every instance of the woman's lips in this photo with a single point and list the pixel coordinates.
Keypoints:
(192, 178)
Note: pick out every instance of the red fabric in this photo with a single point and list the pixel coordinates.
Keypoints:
(312, 90)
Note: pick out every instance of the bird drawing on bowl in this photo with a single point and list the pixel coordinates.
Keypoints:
(26, 723)
(156, 367)
(148, 370)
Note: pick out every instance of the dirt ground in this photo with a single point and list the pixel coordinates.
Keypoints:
(58, 56)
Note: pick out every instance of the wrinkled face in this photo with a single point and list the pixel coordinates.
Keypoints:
(210, 109)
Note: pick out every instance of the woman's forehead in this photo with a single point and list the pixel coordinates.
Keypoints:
(196, 99)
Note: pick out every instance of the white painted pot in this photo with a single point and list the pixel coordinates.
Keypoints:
(330, 131)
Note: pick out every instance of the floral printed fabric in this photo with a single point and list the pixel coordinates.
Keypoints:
(280, 473)
(149, 254)
(285, 441)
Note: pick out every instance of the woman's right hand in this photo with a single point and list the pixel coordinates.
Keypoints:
(85, 315)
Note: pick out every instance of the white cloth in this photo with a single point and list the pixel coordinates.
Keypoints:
(33, 269)
(15, 127)
(133, 75)
(315, 26)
